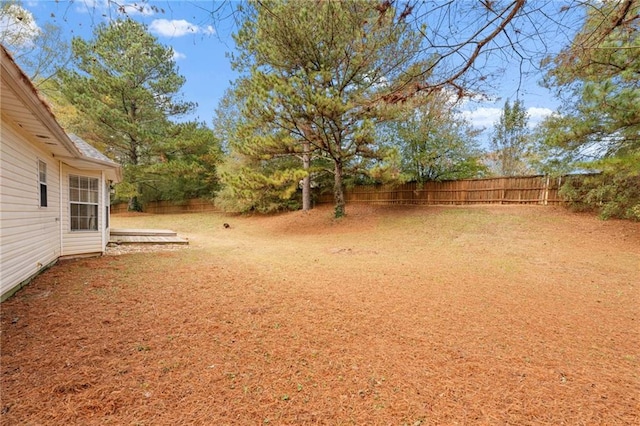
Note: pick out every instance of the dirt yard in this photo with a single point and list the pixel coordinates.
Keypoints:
(390, 316)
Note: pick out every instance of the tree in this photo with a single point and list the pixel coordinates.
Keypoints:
(261, 178)
(18, 28)
(511, 140)
(252, 181)
(435, 143)
(41, 52)
(127, 84)
(187, 165)
(598, 125)
(127, 87)
(597, 78)
(298, 52)
(262, 186)
(470, 43)
(316, 77)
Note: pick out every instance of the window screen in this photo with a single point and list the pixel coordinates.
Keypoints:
(83, 200)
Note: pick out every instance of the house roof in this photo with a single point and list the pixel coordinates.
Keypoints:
(88, 150)
(23, 105)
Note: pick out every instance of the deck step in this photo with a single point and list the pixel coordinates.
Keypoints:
(146, 239)
(117, 232)
(145, 236)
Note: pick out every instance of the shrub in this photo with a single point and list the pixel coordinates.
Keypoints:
(610, 194)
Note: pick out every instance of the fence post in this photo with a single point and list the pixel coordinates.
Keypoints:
(546, 191)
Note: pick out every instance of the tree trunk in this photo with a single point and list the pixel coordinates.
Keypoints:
(306, 182)
(134, 205)
(338, 190)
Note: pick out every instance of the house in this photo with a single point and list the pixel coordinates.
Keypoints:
(54, 187)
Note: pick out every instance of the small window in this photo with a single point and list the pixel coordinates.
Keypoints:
(83, 201)
(42, 182)
(107, 204)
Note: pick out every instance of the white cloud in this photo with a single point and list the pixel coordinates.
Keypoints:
(536, 115)
(178, 56)
(482, 117)
(178, 28)
(18, 28)
(486, 117)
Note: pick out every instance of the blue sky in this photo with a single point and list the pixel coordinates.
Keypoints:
(201, 42)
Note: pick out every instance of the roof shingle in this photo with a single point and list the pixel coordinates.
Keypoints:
(88, 150)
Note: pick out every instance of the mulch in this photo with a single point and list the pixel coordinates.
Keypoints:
(179, 336)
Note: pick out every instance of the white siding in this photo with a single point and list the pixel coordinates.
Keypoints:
(81, 242)
(30, 234)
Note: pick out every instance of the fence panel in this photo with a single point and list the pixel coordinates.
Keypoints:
(504, 190)
(541, 190)
(196, 205)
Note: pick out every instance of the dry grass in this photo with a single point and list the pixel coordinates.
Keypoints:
(407, 315)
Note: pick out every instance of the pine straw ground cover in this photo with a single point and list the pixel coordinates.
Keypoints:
(390, 316)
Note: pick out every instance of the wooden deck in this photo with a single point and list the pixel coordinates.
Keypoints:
(145, 236)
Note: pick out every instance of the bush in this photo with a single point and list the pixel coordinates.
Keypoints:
(610, 194)
(235, 200)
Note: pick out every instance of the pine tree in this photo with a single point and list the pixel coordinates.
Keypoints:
(511, 140)
(598, 125)
(316, 78)
(126, 86)
(125, 82)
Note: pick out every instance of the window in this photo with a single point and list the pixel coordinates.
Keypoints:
(83, 200)
(42, 182)
(107, 204)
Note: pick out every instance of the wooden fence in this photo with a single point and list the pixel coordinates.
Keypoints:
(196, 205)
(505, 190)
(541, 190)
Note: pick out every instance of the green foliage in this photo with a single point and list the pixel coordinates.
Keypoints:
(125, 88)
(598, 125)
(186, 168)
(261, 186)
(612, 193)
(511, 141)
(124, 191)
(386, 169)
(19, 27)
(189, 163)
(125, 83)
(434, 143)
(316, 75)
(256, 175)
(597, 78)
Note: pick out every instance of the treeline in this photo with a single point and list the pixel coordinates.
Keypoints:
(332, 94)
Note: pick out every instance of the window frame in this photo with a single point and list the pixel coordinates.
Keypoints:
(42, 185)
(84, 204)
(107, 204)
